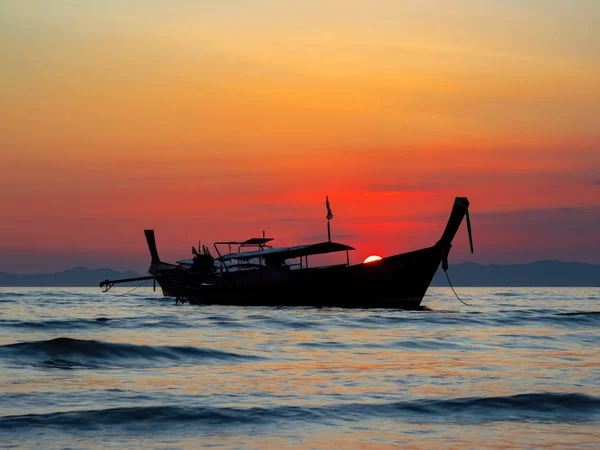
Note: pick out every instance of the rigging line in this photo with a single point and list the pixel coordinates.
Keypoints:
(129, 292)
(452, 287)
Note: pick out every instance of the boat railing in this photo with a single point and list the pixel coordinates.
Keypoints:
(251, 245)
(236, 267)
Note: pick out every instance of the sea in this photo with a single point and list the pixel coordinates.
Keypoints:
(512, 368)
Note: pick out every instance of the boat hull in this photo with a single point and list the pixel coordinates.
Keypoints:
(398, 281)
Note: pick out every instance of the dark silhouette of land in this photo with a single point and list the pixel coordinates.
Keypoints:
(539, 273)
(75, 277)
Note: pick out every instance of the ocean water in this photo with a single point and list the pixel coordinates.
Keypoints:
(517, 368)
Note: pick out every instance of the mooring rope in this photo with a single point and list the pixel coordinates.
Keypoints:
(452, 287)
(129, 292)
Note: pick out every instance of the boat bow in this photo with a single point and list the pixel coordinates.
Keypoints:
(459, 211)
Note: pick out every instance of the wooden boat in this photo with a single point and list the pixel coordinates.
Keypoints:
(253, 273)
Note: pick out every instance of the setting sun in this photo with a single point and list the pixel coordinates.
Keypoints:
(371, 258)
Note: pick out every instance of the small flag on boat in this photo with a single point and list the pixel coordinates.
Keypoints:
(329, 213)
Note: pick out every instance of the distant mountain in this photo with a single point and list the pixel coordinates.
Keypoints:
(539, 273)
(77, 276)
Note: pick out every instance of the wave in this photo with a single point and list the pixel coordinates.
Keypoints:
(590, 318)
(580, 313)
(225, 321)
(51, 324)
(292, 324)
(11, 297)
(87, 323)
(13, 294)
(324, 344)
(544, 407)
(429, 317)
(545, 317)
(67, 353)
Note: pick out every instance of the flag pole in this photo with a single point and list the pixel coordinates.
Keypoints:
(329, 217)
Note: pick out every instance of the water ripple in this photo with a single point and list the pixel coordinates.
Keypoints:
(68, 353)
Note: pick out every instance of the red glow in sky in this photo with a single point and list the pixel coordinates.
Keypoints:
(217, 122)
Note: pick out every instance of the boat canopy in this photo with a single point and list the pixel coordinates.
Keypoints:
(251, 241)
(288, 252)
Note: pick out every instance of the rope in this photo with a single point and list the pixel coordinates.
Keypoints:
(451, 287)
(129, 292)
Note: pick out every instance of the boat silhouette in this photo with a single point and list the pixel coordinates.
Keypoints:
(253, 273)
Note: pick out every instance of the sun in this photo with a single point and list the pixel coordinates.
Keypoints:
(371, 258)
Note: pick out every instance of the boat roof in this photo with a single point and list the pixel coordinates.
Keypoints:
(289, 252)
(251, 241)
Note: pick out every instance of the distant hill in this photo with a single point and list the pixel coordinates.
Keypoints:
(76, 277)
(539, 273)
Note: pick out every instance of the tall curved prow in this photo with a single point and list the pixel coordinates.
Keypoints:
(152, 246)
(156, 265)
(459, 210)
(162, 272)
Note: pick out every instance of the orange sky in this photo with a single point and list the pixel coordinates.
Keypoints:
(216, 121)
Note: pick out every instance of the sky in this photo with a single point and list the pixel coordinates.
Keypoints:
(217, 120)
